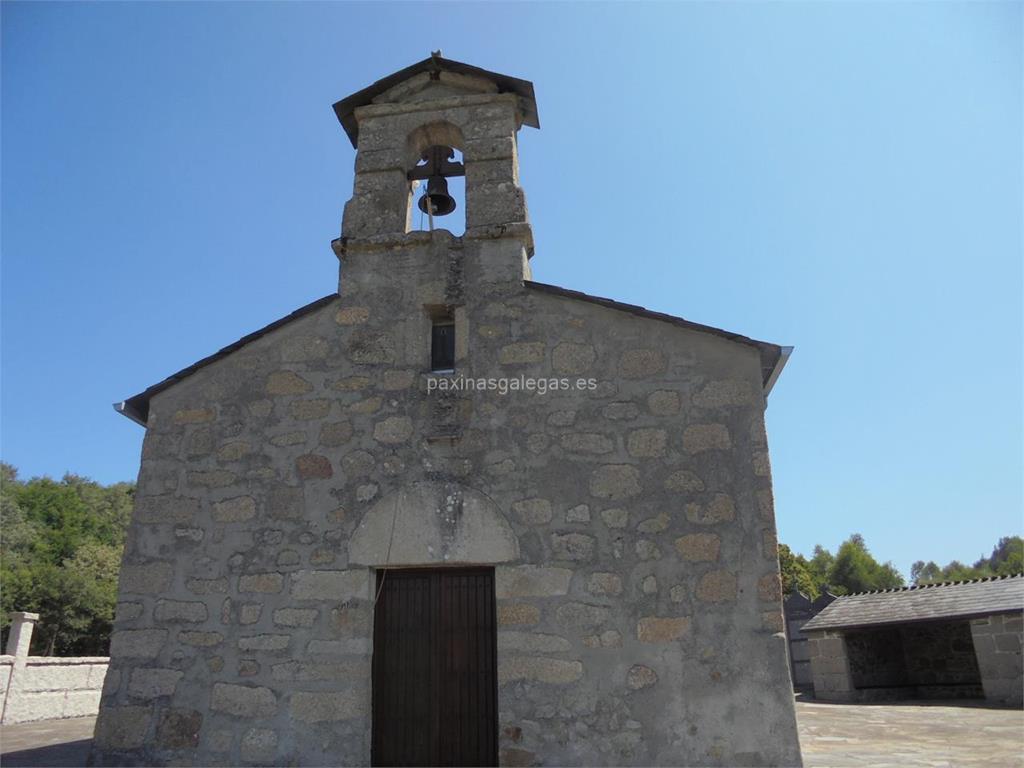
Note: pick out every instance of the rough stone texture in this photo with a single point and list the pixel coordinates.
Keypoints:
(997, 644)
(624, 521)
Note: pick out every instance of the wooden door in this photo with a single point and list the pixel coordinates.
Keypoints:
(435, 688)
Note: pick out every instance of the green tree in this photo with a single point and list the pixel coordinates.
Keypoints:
(1007, 558)
(796, 574)
(60, 555)
(856, 570)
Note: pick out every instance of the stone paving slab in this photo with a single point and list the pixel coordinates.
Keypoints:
(59, 743)
(910, 735)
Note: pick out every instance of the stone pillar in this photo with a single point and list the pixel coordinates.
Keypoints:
(997, 645)
(18, 642)
(830, 666)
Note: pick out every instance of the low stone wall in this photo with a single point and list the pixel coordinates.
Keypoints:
(49, 688)
(44, 687)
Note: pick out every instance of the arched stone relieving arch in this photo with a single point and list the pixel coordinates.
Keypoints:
(432, 134)
(433, 523)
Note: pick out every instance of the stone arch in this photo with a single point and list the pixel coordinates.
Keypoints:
(435, 133)
(433, 523)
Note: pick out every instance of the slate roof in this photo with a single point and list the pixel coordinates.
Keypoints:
(773, 357)
(953, 600)
(345, 109)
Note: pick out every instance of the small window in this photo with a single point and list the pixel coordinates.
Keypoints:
(442, 345)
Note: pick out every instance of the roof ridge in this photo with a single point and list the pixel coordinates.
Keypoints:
(997, 577)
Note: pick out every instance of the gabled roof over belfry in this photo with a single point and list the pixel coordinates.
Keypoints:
(434, 66)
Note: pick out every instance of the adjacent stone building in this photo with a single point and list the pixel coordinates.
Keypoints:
(797, 610)
(450, 515)
(938, 641)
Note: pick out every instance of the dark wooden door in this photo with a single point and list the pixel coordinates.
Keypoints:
(435, 685)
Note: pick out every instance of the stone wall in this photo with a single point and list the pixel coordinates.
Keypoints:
(42, 687)
(53, 687)
(630, 523)
(830, 666)
(997, 642)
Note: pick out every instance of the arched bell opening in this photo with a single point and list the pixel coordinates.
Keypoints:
(437, 179)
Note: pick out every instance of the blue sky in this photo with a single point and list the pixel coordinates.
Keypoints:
(842, 177)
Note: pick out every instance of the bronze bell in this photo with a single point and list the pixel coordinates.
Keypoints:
(437, 194)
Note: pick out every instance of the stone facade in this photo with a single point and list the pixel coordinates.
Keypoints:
(997, 643)
(629, 521)
(967, 658)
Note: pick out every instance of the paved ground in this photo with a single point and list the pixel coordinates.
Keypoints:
(832, 736)
(915, 735)
(60, 743)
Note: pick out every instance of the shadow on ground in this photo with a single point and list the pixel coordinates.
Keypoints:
(67, 755)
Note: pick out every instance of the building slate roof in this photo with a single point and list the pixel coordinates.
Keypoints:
(952, 600)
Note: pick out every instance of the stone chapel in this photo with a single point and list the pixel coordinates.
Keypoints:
(447, 515)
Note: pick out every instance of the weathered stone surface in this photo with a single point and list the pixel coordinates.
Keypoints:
(295, 617)
(194, 415)
(307, 410)
(263, 643)
(393, 430)
(234, 451)
(769, 588)
(664, 402)
(717, 587)
(320, 707)
(235, 510)
(615, 481)
(570, 358)
(572, 546)
(366, 406)
(177, 610)
(762, 466)
(137, 643)
(249, 613)
(166, 509)
(351, 383)
(302, 348)
(706, 437)
(587, 442)
(259, 745)
(654, 524)
(122, 727)
(513, 757)
(641, 363)
(368, 346)
(146, 578)
(604, 584)
(578, 514)
(620, 411)
(683, 481)
(352, 315)
(531, 581)
(615, 517)
(311, 466)
(150, 683)
(243, 700)
(719, 510)
(699, 547)
(335, 433)
(533, 511)
(522, 353)
(200, 639)
(647, 550)
(659, 629)
(562, 419)
(640, 677)
(532, 642)
(647, 443)
(336, 586)
(263, 583)
(517, 614)
(217, 478)
(539, 669)
(729, 392)
(287, 383)
(581, 615)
